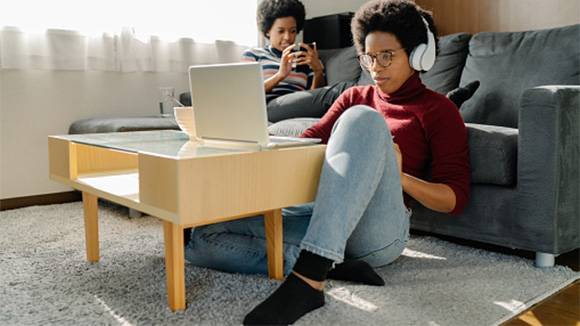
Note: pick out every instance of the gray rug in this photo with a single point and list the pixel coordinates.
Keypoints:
(45, 280)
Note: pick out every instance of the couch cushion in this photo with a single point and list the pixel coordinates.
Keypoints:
(340, 65)
(291, 127)
(508, 63)
(492, 154)
(445, 74)
(99, 125)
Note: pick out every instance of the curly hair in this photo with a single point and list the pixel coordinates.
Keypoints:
(401, 18)
(270, 10)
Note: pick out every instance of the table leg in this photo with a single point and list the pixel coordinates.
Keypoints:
(174, 265)
(273, 223)
(91, 213)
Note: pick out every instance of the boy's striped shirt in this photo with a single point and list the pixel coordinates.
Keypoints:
(269, 58)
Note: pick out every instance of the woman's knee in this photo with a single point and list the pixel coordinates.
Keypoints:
(364, 119)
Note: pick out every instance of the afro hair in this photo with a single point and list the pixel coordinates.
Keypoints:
(270, 10)
(401, 18)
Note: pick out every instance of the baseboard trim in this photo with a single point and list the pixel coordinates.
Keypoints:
(49, 199)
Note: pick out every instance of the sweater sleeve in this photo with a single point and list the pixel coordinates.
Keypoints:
(323, 128)
(447, 136)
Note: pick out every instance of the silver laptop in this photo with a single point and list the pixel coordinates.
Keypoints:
(229, 105)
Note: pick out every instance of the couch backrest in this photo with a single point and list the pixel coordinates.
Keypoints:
(507, 63)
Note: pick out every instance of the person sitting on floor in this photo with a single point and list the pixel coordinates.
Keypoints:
(381, 141)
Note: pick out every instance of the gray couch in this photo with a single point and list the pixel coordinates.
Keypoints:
(523, 134)
(522, 125)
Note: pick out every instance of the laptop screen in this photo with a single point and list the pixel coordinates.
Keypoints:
(229, 102)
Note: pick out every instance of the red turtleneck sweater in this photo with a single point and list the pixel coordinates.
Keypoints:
(426, 125)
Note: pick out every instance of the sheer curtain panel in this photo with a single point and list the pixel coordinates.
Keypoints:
(57, 50)
(126, 36)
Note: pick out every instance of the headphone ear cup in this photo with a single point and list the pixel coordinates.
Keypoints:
(429, 56)
(416, 55)
(423, 56)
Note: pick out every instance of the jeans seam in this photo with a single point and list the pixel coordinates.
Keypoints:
(396, 241)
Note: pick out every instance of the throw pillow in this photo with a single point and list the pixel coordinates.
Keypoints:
(340, 65)
(462, 94)
(508, 63)
(291, 127)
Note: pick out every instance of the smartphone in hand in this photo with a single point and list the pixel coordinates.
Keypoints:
(304, 68)
(311, 45)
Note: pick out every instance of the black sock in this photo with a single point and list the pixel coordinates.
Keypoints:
(312, 266)
(292, 300)
(356, 271)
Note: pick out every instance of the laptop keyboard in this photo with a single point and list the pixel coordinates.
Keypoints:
(282, 140)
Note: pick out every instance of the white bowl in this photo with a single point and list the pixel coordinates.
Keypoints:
(184, 118)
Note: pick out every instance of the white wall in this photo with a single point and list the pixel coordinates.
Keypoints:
(35, 104)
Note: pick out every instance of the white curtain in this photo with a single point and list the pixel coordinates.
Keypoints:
(57, 50)
(158, 55)
(192, 35)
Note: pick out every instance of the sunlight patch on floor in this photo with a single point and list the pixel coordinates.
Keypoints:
(416, 254)
(122, 321)
(344, 295)
(512, 305)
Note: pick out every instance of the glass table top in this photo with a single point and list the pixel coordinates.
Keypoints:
(171, 143)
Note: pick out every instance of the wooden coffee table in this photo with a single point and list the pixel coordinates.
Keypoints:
(185, 184)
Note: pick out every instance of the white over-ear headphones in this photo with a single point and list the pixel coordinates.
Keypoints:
(422, 57)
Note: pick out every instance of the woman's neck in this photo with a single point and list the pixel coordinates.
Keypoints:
(410, 88)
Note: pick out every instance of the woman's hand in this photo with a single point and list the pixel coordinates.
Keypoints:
(309, 57)
(436, 196)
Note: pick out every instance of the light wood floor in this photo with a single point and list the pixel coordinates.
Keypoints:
(563, 308)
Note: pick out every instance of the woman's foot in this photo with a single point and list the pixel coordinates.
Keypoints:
(292, 300)
(356, 271)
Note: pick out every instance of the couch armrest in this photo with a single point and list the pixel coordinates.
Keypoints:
(548, 178)
(492, 153)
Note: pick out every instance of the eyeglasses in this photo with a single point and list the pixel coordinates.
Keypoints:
(384, 58)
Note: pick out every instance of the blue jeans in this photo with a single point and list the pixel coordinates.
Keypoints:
(358, 213)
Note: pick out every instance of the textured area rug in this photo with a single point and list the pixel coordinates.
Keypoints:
(45, 280)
